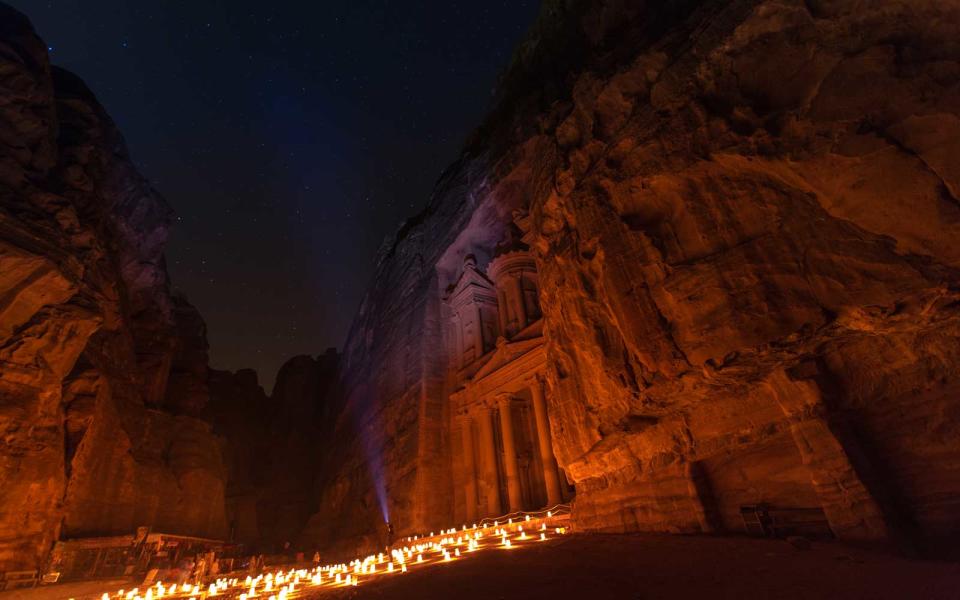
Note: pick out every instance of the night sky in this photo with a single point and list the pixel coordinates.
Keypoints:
(289, 137)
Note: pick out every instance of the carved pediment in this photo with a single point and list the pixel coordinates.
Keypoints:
(505, 354)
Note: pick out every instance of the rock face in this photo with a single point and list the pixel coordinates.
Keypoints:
(273, 446)
(746, 223)
(239, 410)
(102, 369)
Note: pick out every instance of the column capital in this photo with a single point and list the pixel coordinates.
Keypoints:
(536, 379)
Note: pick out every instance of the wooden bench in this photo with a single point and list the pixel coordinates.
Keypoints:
(12, 580)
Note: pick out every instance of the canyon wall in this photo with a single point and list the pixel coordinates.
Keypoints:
(745, 217)
(273, 446)
(102, 369)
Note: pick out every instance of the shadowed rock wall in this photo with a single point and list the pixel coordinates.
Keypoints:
(102, 370)
(273, 446)
(746, 219)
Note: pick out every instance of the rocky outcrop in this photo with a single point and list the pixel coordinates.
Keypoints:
(746, 218)
(747, 273)
(273, 446)
(101, 369)
(240, 412)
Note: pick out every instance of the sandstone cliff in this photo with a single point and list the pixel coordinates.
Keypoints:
(273, 446)
(102, 369)
(746, 221)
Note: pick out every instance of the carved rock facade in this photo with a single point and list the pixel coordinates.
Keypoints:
(745, 222)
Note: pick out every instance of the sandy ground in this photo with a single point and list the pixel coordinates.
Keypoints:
(640, 567)
(643, 567)
(79, 589)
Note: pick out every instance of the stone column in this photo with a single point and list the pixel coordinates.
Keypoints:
(548, 462)
(510, 455)
(489, 453)
(469, 467)
(457, 328)
(478, 337)
(518, 302)
(502, 310)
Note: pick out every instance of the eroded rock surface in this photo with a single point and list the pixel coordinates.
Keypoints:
(747, 229)
(274, 446)
(102, 369)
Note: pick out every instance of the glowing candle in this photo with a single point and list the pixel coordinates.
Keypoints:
(403, 568)
(419, 558)
(543, 537)
(390, 568)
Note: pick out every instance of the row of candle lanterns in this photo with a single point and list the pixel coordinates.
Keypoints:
(446, 547)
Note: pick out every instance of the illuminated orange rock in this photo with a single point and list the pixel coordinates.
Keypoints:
(746, 225)
(101, 369)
